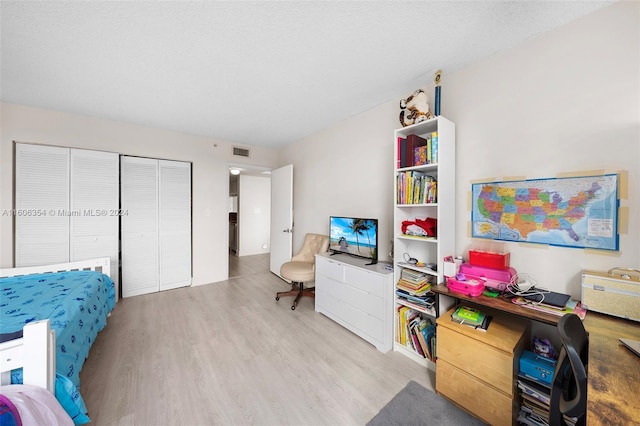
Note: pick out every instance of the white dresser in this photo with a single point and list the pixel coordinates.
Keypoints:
(356, 296)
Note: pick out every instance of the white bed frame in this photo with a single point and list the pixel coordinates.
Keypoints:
(35, 350)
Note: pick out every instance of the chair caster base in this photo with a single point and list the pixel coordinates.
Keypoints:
(277, 298)
(293, 307)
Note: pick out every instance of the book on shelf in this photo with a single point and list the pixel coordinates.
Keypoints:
(423, 302)
(426, 352)
(415, 291)
(534, 390)
(434, 147)
(402, 152)
(420, 156)
(471, 317)
(414, 187)
(413, 332)
(405, 315)
(429, 333)
(415, 143)
(572, 307)
(483, 326)
(416, 150)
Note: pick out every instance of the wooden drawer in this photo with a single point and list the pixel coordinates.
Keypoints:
(475, 396)
(481, 360)
(366, 302)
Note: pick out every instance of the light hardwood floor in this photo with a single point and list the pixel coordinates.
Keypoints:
(228, 353)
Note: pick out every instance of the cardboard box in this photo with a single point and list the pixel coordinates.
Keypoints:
(616, 292)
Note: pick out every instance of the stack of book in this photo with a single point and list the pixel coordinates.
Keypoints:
(571, 307)
(471, 317)
(536, 398)
(534, 410)
(414, 282)
(414, 290)
(416, 333)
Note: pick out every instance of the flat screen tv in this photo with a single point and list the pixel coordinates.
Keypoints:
(354, 236)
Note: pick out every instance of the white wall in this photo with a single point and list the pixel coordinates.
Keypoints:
(210, 159)
(254, 215)
(346, 170)
(565, 102)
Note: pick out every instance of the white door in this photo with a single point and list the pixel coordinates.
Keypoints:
(139, 227)
(94, 200)
(175, 224)
(42, 205)
(281, 217)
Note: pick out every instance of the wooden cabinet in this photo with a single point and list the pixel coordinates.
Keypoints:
(478, 369)
(357, 296)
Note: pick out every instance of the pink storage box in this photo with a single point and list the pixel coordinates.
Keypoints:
(471, 287)
(493, 278)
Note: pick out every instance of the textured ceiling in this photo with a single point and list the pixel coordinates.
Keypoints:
(258, 73)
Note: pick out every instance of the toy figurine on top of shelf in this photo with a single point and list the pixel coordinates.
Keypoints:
(415, 108)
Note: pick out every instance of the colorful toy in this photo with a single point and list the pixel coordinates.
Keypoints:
(415, 108)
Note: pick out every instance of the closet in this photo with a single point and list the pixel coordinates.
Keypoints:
(155, 225)
(66, 204)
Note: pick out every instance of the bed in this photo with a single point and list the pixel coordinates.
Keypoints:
(76, 298)
(32, 402)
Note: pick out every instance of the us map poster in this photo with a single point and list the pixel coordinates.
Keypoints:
(579, 212)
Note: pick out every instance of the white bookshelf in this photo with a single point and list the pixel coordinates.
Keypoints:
(425, 249)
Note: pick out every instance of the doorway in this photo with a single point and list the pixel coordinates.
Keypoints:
(249, 208)
(252, 190)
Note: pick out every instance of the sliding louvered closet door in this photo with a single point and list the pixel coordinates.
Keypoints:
(66, 205)
(139, 228)
(175, 224)
(94, 200)
(42, 198)
(156, 231)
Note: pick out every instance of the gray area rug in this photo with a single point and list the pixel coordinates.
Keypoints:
(416, 405)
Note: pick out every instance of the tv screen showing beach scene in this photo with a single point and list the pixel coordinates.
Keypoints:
(354, 236)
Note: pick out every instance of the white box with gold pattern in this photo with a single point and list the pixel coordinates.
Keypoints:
(616, 292)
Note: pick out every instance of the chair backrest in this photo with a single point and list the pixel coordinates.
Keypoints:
(569, 388)
(313, 244)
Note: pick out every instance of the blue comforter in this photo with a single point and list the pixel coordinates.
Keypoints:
(76, 302)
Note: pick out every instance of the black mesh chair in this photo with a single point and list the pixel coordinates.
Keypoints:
(569, 387)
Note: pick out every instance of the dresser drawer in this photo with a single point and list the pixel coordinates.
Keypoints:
(479, 359)
(473, 395)
(366, 281)
(330, 269)
(366, 302)
(364, 325)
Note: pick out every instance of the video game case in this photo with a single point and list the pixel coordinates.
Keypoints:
(469, 314)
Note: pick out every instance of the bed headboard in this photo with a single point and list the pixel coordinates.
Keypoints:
(102, 265)
(34, 352)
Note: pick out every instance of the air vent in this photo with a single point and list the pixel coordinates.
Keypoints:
(241, 152)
